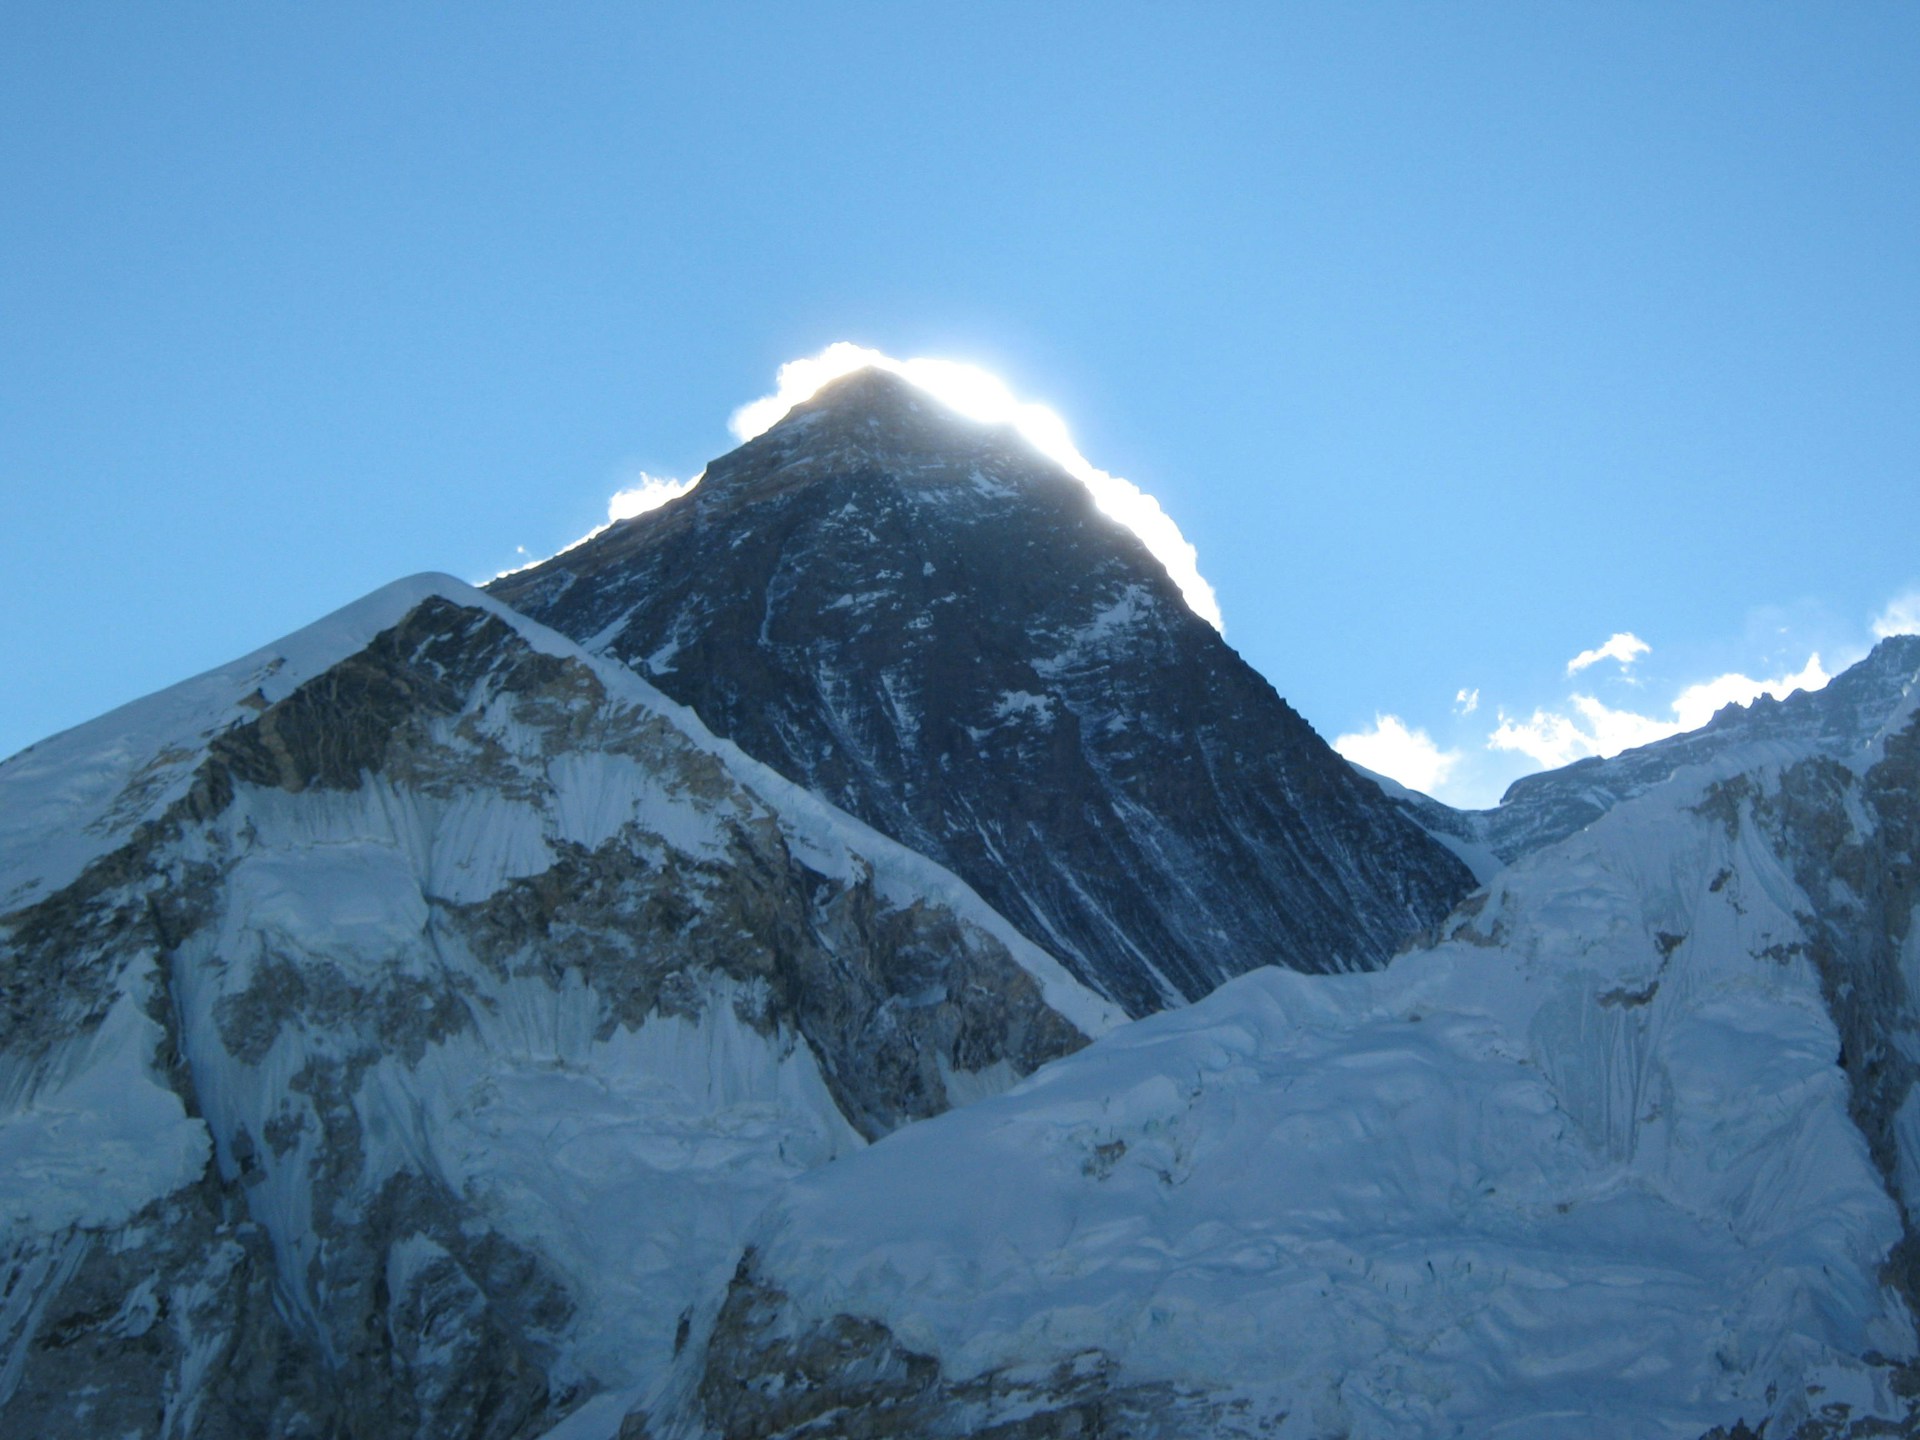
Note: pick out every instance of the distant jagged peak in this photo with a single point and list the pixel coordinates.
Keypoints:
(1848, 719)
(1893, 656)
(1848, 710)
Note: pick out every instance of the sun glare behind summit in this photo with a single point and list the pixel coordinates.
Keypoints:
(981, 395)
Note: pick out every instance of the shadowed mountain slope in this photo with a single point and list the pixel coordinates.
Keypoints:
(931, 625)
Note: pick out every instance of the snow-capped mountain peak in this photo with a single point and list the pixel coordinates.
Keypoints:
(926, 621)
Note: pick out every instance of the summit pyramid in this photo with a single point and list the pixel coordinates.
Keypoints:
(930, 624)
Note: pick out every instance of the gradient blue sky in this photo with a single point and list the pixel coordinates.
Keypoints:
(1458, 338)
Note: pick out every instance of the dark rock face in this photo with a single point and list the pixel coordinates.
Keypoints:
(929, 624)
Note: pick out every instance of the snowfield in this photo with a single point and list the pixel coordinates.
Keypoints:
(1584, 1168)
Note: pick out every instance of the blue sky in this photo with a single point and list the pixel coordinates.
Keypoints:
(1458, 339)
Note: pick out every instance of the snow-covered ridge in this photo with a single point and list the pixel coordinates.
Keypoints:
(341, 1043)
(1587, 1167)
(1847, 718)
(76, 795)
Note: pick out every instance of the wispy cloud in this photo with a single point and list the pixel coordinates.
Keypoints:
(1901, 617)
(1552, 738)
(651, 493)
(1620, 646)
(1591, 719)
(1400, 753)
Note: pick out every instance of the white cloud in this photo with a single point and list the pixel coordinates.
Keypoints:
(1393, 750)
(980, 395)
(1620, 646)
(651, 493)
(1901, 617)
(1467, 701)
(1554, 738)
(1549, 739)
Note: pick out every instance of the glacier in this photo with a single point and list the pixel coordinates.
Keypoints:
(1590, 1165)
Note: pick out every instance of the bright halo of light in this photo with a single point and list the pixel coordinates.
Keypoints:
(650, 492)
(981, 395)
